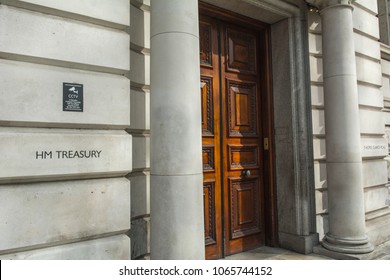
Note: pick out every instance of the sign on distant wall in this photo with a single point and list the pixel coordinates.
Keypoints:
(73, 97)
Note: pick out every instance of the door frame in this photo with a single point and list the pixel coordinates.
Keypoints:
(267, 114)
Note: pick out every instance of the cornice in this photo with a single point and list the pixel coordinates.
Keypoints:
(322, 4)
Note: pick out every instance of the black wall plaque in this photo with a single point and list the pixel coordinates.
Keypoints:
(73, 97)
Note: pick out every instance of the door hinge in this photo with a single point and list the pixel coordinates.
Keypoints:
(266, 144)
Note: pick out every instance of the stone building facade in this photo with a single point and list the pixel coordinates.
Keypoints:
(186, 129)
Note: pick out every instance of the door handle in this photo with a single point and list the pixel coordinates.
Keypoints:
(246, 173)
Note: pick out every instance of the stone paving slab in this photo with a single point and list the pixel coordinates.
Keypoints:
(270, 253)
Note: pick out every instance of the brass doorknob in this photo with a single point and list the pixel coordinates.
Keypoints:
(246, 173)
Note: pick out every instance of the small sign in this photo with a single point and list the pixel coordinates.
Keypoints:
(73, 99)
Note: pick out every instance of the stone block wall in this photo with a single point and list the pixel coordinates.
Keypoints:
(63, 187)
(372, 124)
(385, 211)
(140, 128)
(318, 120)
(384, 24)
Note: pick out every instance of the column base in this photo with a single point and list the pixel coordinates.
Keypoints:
(347, 246)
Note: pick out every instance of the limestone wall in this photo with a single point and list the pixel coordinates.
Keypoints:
(140, 128)
(318, 119)
(65, 152)
(384, 24)
(382, 223)
(371, 93)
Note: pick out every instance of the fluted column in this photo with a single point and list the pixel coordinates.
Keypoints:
(343, 144)
(177, 221)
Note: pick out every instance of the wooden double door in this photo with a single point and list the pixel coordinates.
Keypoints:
(235, 128)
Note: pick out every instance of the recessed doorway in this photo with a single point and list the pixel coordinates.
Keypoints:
(239, 195)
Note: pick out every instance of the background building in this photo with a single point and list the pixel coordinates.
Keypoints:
(113, 113)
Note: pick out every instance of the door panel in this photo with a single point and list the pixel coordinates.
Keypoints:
(243, 157)
(244, 207)
(209, 212)
(241, 51)
(241, 118)
(232, 138)
(242, 109)
(206, 86)
(210, 97)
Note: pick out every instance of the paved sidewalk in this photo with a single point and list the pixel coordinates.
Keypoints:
(270, 253)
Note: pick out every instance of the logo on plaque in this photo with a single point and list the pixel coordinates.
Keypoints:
(73, 99)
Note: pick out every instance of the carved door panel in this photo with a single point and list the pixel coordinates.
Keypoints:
(210, 96)
(232, 138)
(243, 170)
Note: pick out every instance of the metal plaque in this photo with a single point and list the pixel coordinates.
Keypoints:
(73, 99)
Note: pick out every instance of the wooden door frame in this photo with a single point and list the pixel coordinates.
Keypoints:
(270, 197)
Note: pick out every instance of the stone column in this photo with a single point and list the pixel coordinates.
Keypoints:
(177, 221)
(343, 144)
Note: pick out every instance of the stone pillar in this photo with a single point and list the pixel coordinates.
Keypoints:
(343, 145)
(177, 221)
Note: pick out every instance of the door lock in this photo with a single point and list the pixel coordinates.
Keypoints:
(266, 144)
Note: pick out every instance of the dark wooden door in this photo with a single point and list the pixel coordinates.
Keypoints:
(242, 152)
(233, 138)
